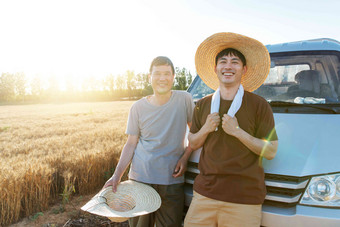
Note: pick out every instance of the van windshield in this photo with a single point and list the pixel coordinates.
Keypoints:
(311, 79)
(295, 78)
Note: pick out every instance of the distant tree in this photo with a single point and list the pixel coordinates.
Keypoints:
(182, 79)
(96, 83)
(109, 83)
(36, 86)
(120, 83)
(20, 85)
(144, 83)
(189, 78)
(140, 81)
(69, 84)
(14, 87)
(7, 87)
(90, 84)
(53, 87)
(130, 82)
(85, 84)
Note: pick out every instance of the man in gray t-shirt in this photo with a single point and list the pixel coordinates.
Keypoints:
(155, 146)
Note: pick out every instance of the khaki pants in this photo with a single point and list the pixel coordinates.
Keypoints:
(209, 212)
(170, 214)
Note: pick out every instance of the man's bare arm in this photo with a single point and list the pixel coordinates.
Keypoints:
(181, 165)
(260, 147)
(124, 161)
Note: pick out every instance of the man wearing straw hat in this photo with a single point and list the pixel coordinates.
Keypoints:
(236, 129)
(155, 145)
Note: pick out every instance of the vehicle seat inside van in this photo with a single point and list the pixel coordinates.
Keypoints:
(308, 84)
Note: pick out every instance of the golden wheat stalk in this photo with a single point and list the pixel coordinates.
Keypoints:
(47, 151)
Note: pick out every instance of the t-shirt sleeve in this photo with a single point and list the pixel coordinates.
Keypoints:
(196, 124)
(132, 127)
(265, 123)
(189, 104)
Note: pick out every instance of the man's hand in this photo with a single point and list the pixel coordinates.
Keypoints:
(181, 167)
(113, 181)
(213, 120)
(124, 161)
(230, 125)
(196, 140)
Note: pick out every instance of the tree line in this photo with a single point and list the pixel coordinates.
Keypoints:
(15, 87)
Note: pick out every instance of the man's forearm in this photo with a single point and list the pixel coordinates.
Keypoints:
(125, 159)
(264, 148)
(187, 152)
(197, 140)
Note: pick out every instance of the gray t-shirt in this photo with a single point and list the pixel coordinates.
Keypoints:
(161, 131)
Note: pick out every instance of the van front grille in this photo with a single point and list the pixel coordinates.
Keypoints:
(282, 191)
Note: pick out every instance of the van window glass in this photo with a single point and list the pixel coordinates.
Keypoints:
(304, 78)
(285, 73)
(301, 79)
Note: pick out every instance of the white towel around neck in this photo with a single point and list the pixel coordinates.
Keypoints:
(235, 105)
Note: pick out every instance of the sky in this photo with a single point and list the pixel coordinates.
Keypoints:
(80, 38)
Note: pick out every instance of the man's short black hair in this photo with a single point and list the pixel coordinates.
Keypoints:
(231, 51)
(162, 60)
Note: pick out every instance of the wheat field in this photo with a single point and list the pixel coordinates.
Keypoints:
(48, 150)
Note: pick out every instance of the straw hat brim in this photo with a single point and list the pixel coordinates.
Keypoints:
(130, 200)
(256, 54)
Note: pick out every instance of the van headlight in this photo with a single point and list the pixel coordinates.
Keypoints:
(323, 191)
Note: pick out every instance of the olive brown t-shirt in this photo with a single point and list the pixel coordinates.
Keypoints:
(229, 171)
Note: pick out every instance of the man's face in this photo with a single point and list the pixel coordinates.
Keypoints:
(229, 70)
(162, 79)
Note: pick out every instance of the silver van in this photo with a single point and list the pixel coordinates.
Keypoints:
(303, 89)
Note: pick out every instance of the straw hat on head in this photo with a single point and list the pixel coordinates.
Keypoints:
(130, 200)
(256, 54)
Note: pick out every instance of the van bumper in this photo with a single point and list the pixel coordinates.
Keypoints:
(300, 216)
